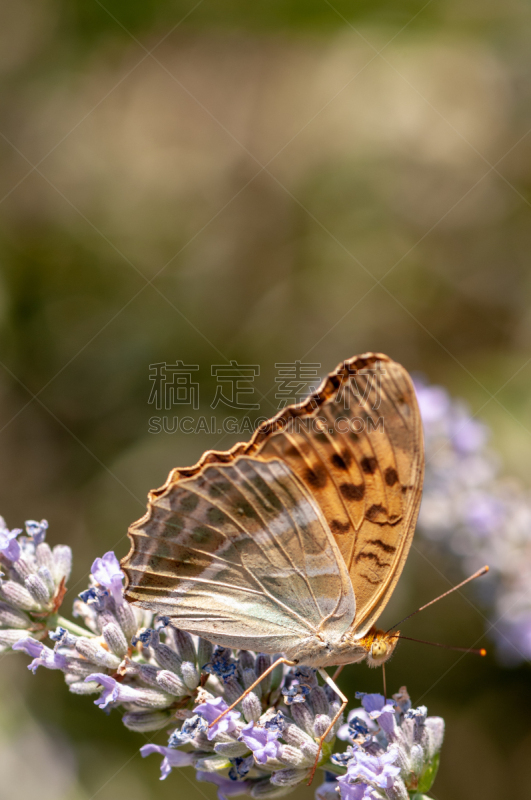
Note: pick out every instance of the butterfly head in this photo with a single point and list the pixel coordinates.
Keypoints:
(380, 646)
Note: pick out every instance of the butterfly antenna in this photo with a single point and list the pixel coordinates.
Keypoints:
(478, 652)
(478, 574)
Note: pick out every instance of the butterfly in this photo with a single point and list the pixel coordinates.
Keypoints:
(292, 542)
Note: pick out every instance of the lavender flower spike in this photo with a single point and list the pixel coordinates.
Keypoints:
(106, 571)
(9, 547)
(172, 758)
(211, 709)
(42, 656)
(261, 741)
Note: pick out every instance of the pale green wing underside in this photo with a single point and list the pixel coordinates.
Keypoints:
(241, 555)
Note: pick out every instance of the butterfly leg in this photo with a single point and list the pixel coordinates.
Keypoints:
(327, 679)
(252, 686)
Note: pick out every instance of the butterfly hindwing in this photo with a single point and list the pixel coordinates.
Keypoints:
(240, 554)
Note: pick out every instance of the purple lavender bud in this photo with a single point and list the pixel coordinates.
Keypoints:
(190, 674)
(246, 660)
(231, 749)
(13, 617)
(171, 683)
(251, 707)
(249, 677)
(62, 562)
(97, 654)
(288, 777)
(294, 736)
(47, 577)
(233, 690)
(116, 641)
(80, 687)
(292, 756)
(18, 596)
(127, 620)
(320, 725)
(303, 717)
(44, 556)
(204, 652)
(184, 644)
(9, 636)
(433, 736)
(263, 662)
(37, 589)
(22, 568)
(309, 750)
(319, 700)
(146, 721)
(212, 763)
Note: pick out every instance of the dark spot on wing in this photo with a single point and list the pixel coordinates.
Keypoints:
(216, 516)
(372, 557)
(189, 501)
(352, 491)
(374, 511)
(369, 464)
(354, 436)
(391, 476)
(293, 452)
(338, 461)
(336, 526)
(316, 476)
(387, 548)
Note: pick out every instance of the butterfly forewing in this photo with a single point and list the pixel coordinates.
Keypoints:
(359, 452)
(241, 554)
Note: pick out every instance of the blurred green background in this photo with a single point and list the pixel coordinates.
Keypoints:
(267, 182)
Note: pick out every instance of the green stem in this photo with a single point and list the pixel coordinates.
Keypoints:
(77, 630)
(335, 768)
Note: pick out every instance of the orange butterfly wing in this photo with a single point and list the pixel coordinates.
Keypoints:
(356, 444)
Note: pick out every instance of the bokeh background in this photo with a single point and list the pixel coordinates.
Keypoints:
(265, 182)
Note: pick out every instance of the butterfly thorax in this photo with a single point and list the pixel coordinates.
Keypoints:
(376, 647)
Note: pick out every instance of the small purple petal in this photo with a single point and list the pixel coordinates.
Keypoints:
(261, 741)
(107, 573)
(37, 530)
(113, 691)
(171, 758)
(9, 547)
(210, 710)
(42, 656)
